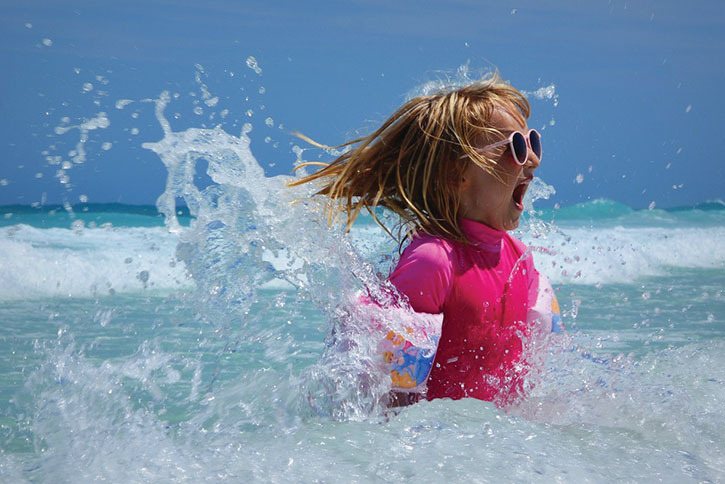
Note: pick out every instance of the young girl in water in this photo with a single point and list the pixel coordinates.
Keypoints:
(455, 166)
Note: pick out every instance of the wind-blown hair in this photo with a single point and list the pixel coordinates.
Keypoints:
(414, 163)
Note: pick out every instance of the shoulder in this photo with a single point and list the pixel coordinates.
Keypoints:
(526, 256)
(515, 243)
(430, 249)
(425, 256)
(424, 273)
(520, 249)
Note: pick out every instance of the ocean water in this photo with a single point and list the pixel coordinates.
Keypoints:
(157, 344)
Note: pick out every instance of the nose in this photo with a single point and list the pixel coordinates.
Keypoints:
(532, 161)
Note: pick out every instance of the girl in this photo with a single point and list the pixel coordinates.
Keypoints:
(455, 166)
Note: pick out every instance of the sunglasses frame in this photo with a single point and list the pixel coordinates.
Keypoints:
(510, 141)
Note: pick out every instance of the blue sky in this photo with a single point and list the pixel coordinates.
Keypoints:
(638, 85)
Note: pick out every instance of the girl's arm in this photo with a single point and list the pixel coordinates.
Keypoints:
(423, 277)
(424, 274)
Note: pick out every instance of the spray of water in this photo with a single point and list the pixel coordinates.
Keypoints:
(249, 231)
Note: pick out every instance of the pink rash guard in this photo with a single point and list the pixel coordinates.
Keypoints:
(484, 290)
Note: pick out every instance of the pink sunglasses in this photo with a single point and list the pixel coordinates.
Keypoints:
(519, 145)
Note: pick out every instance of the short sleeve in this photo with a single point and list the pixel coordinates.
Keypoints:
(424, 274)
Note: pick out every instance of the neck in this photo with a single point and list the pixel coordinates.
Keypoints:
(481, 235)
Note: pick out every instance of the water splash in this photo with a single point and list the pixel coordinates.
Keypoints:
(545, 93)
(447, 81)
(251, 231)
(78, 155)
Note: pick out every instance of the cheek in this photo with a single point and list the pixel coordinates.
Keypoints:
(483, 195)
(501, 196)
(482, 190)
(511, 172)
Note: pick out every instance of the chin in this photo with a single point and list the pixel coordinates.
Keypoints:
(512, 224)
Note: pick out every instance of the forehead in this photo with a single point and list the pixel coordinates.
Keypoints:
(503, 120)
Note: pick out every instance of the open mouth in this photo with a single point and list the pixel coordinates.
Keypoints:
(519, 192)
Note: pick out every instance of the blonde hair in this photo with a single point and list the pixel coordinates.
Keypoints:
(414, 162)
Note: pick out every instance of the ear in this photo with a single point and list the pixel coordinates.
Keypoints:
(464, 181)
(463, 184)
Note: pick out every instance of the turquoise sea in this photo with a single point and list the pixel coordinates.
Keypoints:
(192, 342)
(131, 353)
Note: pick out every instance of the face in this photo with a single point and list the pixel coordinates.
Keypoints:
(495, 202)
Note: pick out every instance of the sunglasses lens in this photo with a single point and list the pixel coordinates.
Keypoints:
(518, 143)
(535, 140)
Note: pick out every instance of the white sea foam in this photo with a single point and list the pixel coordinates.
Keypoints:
(63, 262)
(83, 263)
(622, 254)
(602, 255)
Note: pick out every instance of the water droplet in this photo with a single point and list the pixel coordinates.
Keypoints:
(254, 65)
(122, 103)
(143, 276)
